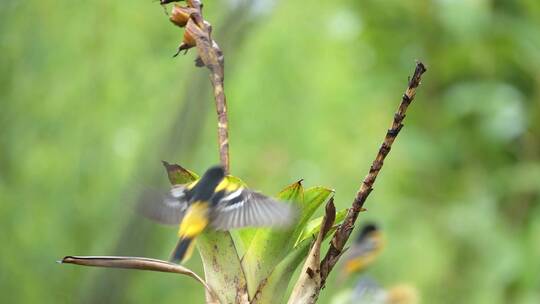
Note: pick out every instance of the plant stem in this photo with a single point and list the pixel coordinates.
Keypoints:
(211, 56)
(343, 233)
(223, 121)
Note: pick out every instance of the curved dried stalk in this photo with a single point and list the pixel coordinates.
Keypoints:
(136, 263)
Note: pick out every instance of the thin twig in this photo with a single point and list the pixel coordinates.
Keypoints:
(135, 263)
(211, 56)
(344, 231)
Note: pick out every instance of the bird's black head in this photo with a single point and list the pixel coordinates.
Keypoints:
(367, 230)
(216, 173)
(163, 2)
(208, 182)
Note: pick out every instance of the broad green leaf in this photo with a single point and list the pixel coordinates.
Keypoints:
(246, 235)
(269, 245)
(235, 180)
(314, 197)
(313, 227)
(178, 175)
(241, 237)
(274, 287)
(222, 267)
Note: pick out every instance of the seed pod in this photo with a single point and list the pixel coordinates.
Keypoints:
(180, 15)
(187, 43)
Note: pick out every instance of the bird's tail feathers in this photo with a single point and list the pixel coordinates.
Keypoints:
(183, 250)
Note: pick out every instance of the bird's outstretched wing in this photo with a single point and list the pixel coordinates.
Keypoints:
(245, 208)
(167, 209)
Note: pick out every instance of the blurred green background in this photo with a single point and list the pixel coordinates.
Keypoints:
(91, 101)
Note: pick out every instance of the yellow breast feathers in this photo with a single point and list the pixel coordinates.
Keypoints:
(195, 220)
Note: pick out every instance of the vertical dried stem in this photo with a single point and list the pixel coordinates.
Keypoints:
(211, 56)
(344, 231)
(223, 122)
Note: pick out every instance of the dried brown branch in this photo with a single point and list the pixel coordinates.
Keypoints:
(344, 231)
(198, 33)
(135, 263)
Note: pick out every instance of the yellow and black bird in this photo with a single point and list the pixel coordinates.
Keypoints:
(217, 202)
(364, 251)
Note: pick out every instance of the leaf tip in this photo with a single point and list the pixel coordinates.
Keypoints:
(65, 260)
(178, 174)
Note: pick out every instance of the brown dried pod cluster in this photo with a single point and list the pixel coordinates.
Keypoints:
(180, 16)
(198, 34)
(188, 17)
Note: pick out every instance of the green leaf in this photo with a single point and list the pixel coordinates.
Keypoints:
(273, 289)
(314, 197)
(269, 245)
(313, 227)
(241, 237)
(178, 175)
(246, 235)
(275, 286)
(222, 267)
(235, 180)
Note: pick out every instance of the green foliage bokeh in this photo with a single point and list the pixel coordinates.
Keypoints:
(89, 94)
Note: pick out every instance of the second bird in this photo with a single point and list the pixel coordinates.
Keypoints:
(364, 251)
